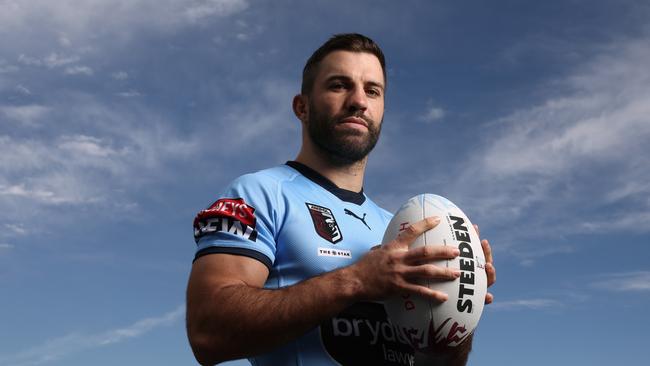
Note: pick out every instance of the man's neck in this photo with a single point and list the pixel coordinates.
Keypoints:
(349, 177)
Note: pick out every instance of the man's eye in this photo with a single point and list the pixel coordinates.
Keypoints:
(337, 86)
(373, 92)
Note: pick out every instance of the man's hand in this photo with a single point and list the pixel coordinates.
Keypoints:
(225, 293)
(395, 269)
(490, 270)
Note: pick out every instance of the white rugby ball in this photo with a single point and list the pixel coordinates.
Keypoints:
(427, 324)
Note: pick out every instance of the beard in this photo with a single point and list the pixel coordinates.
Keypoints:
(342, 148)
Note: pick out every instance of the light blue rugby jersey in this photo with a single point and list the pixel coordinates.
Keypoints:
(299, 224)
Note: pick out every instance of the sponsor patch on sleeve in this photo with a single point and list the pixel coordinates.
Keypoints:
(231, 215)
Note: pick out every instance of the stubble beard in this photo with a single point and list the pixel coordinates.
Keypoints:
(341, 148)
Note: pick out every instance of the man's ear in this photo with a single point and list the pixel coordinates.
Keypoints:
(301, 107)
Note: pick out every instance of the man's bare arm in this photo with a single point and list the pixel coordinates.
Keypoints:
(227, 306)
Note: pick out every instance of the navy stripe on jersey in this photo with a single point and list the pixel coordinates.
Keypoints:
(358, 198)
(235, 251)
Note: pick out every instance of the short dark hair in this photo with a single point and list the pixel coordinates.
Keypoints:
(353, 42)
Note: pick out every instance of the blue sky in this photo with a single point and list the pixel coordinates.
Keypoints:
(119, 120)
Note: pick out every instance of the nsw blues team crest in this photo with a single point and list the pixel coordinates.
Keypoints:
(325, 223)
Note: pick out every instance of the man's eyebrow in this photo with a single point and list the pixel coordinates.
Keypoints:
(347, 78)
(338, 77)
(376, 84)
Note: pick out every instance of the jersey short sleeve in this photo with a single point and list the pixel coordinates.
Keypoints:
(241, 222)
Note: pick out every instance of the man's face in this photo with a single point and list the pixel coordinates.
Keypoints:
(346, 106)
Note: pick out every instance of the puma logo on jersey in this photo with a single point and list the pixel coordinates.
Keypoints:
(325, 223)
(362, 219)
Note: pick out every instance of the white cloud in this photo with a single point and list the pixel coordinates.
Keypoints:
(129, 94)
(433, 114)
(624, 282)
(629, 189)
(56, 189)
(562, 133)
(575, 163)
(20, 191)
(64, 41)
(120, 75)
(23, 90)
(78, 70)
(81, 145)
(269, 115)
(142, 326)
(530, 256)
(6, 246)
(242, 36)
(55, 349)
(30, 61)
(540, 45)
(74, 19)
(526, 304)
(78, 38)
(83, 151)
(16, 229)
(55, 60)
(199, 10)
(25, 114)
(6, 68)
(62, 173)
(631, 221)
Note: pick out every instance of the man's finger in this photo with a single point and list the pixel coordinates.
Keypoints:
(478, 232)
(413, 231)
(491, 273)
(430, 271)
(489, 298)
(428, 253)
(487, 250)
(426, 292)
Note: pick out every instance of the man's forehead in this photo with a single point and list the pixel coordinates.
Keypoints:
(352, 64)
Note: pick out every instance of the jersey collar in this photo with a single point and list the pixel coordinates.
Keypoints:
(357, 198)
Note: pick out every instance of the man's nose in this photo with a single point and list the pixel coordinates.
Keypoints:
(357, 100)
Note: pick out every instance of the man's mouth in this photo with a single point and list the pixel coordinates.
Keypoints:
(355, 120)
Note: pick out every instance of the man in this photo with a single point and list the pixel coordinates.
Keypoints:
(284, 272)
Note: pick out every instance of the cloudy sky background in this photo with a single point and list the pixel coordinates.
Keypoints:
(119, 120)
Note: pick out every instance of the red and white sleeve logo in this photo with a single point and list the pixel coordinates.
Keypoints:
(231, 215)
